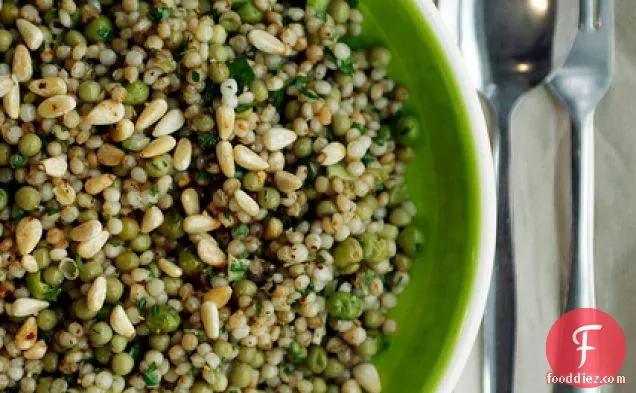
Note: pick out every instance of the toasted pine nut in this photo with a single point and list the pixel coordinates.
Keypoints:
(225, 117)
(26, 306)
(22, 66)
(170, 268)
(219, 295)
(278, 138)
(171, 122)
(182, 156)
(123, 130)
(287, 182)
(226, 158)
(27, 335)
(64, 194)
(97, 184)
(90, 248)
(86, 231)
(28, 233)
(56, 106)
(6, 83)
(190, 201)
(37, 351)
(31, 34)
(11, 102)
(106, 112)
(247, 203)
(331, 154)
(120, 322)
(48, 87)
(110, 155)
(367, 376)
(96, 294)
(210, 319)
(247, 159)
(266, 42)
(153, 111)
(29, 263)
(153, 218)
(159, 146)
(210, 253)
(200, 223)
(54, 166)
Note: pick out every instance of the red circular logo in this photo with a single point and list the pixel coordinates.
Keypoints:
(585, 348)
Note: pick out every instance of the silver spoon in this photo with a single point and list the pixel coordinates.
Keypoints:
(508, 45)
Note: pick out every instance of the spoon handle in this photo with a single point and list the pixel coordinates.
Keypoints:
(500, 317)
(581, 281)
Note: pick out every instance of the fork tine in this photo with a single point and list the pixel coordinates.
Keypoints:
(606, 13)
(586, 14)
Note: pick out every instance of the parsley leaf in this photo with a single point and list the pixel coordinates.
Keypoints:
(240, 230)
(300, 82)
(345, 66)
(116, 244)
(196, 76)
(106, 33)
(17, 160)
(330, 135)
(209, 92)
(241, 71)
(51, 211)
(159, 14)
(141, 305)
(358, 126)
(208, 141)
(150, 376)
(243, 108)
(367, 159)
(276, 97)
(154, 310)
(79, 263)
(135, 351)
(322, 15)
(154, 190)
(52, 294)
(75, 18)
(237, 268)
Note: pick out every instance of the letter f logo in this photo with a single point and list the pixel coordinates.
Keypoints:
(583, 343)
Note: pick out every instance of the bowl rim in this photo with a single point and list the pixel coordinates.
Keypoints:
(487, 206)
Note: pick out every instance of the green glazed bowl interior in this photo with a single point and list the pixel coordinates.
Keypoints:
(450, 181)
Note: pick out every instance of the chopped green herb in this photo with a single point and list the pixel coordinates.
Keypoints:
(330, 135)
(208, 141)
(135, 351)
(51, 211)
(367, 159)
(300, 82)
(104, 313)
(106, 33)
(20, 214)
(208, 273)
(47, 335)
(210, 91)
(359, 126)
(79, 263)
(243, 108)
(154, 189)
(322, 15)
(237, 268)
(307, 290)
(288, 371)
(353, 3)
(159, 14)
(52, 294)
(277, 97)
(116, 244)
(240, 230)
(17, 160)
(151, 376)
(241, 71)
(345, 66)
(196, 76)
(154, 310)
(239, 173)
(379, 187)
(202, 175)
(141, 305)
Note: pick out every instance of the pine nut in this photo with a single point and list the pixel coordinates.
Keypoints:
(37, 351)
(266, 42)
(249, 160)
(170, 268)
(219, 296)
(110, 155)
(210, 253)
(64, 194)
(225, 117)
(153, 218)
(6, 83)
(56, 106)
(210, 319)
(278, 138)
(367, 376)
(86, 231)
(97, 184)
(226, 158)
(26, 306)
(28, 233)
(182, 156)
(171, 122)
(200, 223)
(331, 154)
(54, 166)
(159, 146)
(27, 335)
(247, 203)
(29, 263)
(11, 102)
(287, 182)
(153, 111)
(48, 87)
(105, 113)
(90, 248)
(120, 322)
(31, 34)
(22, 66)
(96, 294)
(190, 201)
(123, 130)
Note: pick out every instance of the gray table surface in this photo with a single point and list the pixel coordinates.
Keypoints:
(540, 173)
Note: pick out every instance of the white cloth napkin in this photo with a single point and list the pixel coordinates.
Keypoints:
(541, 203)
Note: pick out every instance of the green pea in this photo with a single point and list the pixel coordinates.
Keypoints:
(334, 369)
(246, 354)
(30, 145)
(379, 57)
(172, 285)
(201, 387)
(389, 231)
(8, 56)
(344, 305)
(52, 276)
(163, 318)
(326, 208)
(223, 349)
(138, 93)
(219, 52)
(258, 360)
(203, 123)
(249, 13)
(303, 147)
(246, 288)
(368, 348)
(376, 248)
(41, 255)
(47, 319)
(241, 375)
(118, 343)
(141, 242)
(319, 385)
(130, 229)
(339, 11)
(122, 363)
(43, 384)
(317, 359)
(127, 261)
(136, 142)
(252, 182)
(102, 355)
(114, 289)
(411, 240)
(189, 262)
(90, 91)
(218, 72)
(5, 154)
(366, 207)
(91, 271)
(158, 166)
(406, 153)
(231, 21)
(269, 198)
(400, 217)
(82, 311)
(88, 215)
(100, 334)
(159, 342)
(50, 362)
(9, 13)
(296, 353)
(408, 130)
(341, 123)
(348, 252)
(6, 39)
(27, 198)
(402, 262)
(100, 29)
(74, 38)
(259, 89)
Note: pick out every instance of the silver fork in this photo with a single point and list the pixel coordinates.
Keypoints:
(581, 84)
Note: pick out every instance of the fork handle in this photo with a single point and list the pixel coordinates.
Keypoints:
(500, 316)
(581, 293)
